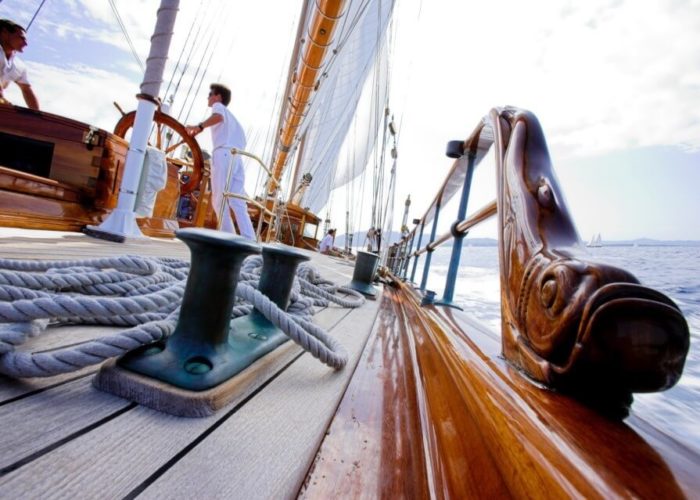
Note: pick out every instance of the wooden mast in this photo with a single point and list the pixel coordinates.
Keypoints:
(308, 61)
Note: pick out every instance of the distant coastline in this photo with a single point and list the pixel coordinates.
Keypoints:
(359, 238)
(639, 242)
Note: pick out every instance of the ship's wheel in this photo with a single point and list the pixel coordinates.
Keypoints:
(166, 125)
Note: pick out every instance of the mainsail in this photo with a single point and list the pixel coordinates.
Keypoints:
(359, 47)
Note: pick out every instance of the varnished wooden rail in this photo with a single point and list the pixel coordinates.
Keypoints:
(463, 227)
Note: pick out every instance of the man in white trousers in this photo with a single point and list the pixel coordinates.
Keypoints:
(226, 133)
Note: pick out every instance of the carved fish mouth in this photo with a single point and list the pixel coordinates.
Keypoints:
(634, 336)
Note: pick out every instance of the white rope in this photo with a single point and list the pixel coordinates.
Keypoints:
(144, 294)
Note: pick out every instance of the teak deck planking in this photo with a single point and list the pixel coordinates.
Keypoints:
(65, 438)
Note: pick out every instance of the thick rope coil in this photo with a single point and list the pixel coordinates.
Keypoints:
(323, 290)
(23, 364)
(126, 263)
(142, 293)
(311, 338)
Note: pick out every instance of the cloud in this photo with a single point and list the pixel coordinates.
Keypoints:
(50, 84)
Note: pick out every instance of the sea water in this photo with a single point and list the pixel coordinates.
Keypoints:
(672, 270)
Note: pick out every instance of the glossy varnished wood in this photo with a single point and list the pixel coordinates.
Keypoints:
(374, 447)
(542, 441)
(583, 327)
(83, 179)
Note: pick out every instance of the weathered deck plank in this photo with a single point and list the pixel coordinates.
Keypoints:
(125, 452)
(65, 438)
(38, 422)
(265, 449)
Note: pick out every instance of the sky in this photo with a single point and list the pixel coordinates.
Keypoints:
(614, 83)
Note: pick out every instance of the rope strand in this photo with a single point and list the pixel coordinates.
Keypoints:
(145, 295)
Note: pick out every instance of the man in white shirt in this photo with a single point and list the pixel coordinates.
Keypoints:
(13, 39)
(226, 133)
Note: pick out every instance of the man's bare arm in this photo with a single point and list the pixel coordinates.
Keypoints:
(29, 96)
(212, 120)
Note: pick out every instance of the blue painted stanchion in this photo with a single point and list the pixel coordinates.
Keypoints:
(415, 259)
(433, 233)
(403, 272)
(400, 256)
(408, 257)
(448, 296)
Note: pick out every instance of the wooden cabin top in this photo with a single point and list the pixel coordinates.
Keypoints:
(425, 407)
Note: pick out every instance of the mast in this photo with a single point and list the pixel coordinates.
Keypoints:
(308, 64)
(121, 223)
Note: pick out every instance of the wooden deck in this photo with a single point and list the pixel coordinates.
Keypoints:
(64, 438)
(426, 408)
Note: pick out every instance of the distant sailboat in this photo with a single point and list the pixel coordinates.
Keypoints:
(595, 241)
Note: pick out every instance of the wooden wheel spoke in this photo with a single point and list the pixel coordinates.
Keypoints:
(167, 124)
(174, 147)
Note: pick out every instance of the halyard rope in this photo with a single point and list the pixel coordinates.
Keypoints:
(144, 294)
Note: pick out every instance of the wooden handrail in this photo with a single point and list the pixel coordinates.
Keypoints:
(462, 227)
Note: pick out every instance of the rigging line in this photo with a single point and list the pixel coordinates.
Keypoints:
(336, 51)
(342, 42)
(349, 201)
(229, 51)
(184, 46)
(353, 187)
(409, 72)
(201, 80)
(383, 64)
(188, 59)
(35, 14)
(222, 61)
(376, 204)
(379, 157)
(378, 68)
(126, 35)
(251, 146)
(359, 14)
(271, 137)
(392, 180)
(363, 177)
(199, 67)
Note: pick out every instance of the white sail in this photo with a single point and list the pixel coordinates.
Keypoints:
(596, 241)
(331, 113)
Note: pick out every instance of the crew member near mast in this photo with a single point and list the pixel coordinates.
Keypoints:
(13, 39)
(226, 133)
(326, 246)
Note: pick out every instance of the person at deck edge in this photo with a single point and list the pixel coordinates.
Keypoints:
(226, 133)
(326, 246)
(13, 39)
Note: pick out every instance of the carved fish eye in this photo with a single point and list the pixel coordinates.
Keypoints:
(548, 293)
(545, 196)
(557, 287)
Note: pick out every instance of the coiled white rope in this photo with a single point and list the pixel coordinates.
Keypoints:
(145, 294)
